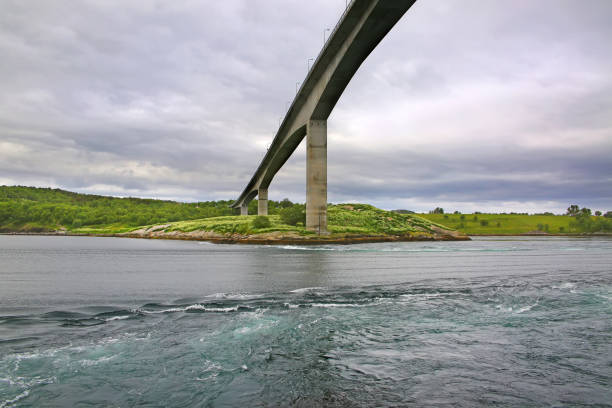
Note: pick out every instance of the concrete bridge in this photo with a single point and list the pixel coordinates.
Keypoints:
(362, 26)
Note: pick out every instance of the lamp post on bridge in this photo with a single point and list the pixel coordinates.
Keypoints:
(324, 35)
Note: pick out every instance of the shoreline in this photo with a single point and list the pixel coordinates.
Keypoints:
(270, 239)
(265, 239)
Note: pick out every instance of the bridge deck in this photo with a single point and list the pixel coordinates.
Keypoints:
(362, 26)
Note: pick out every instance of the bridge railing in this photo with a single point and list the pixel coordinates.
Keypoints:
(268, 155)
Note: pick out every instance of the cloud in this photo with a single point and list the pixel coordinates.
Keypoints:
(467, 103)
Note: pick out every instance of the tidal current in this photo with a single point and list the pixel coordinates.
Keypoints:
(508, 322)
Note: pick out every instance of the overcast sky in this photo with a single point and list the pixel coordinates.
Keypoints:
(466, 104)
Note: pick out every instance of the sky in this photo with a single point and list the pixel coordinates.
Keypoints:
(466, 104)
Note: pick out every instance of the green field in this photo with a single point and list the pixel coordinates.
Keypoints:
(508, 224)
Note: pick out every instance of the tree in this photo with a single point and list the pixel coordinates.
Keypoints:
(608, 214)
(285, 203)
(598, 213)
(293, 215)
(437, 210)
(573, 210)
(585, 211)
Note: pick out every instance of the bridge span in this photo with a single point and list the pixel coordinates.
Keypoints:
(362, 26)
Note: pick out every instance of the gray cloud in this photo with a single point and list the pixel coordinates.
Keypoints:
(472, 104)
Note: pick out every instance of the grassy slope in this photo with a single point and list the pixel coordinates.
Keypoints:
(509, 224)
(342, 219)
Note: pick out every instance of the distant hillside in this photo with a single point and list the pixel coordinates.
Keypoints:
(30, 209)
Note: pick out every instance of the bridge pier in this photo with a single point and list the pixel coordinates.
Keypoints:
(316, 176)
(244, 209)
(262, 201)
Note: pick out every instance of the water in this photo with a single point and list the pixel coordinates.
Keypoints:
(124, 322)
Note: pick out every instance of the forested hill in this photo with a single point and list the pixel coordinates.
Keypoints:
(45, 209)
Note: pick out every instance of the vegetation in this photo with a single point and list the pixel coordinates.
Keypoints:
(261, 221)
(343, 219)
(513, 224)
(29, 209)
(293, 215)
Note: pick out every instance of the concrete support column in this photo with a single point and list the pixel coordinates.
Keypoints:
(262, 201)
(316, 176)
(244, 209)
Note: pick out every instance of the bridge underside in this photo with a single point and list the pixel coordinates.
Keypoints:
(363, 25)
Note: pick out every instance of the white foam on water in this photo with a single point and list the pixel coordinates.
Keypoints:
(303, 248)
(291, 305)
(519, 310)
(10, 402)
(90, 363)
(526, 308)
(220, 309)
(211, 368)
(196, 306)
(304, 290)
(110, 319)
(234, 296)
(333, 305)
(23, 383)
(421, 295)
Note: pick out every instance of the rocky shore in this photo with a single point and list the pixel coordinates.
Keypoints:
(291, 238)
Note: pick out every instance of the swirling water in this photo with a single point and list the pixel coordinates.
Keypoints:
(123, 322)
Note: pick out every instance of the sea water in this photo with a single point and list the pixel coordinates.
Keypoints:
(523, 322)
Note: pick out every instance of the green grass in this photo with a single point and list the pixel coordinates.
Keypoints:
(234, 225)
(366, 219)
(29, 209)
(505, 224)
(343, 219)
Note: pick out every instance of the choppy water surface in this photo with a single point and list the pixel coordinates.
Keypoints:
(121, 322)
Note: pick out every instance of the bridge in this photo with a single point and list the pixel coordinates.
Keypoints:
(362, 26)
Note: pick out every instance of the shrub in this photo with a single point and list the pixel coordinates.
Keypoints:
(498, 224)
(561, 229)
(286, 203)
(462, 217)
(484, 223)
(261, 221)
(293, 215)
